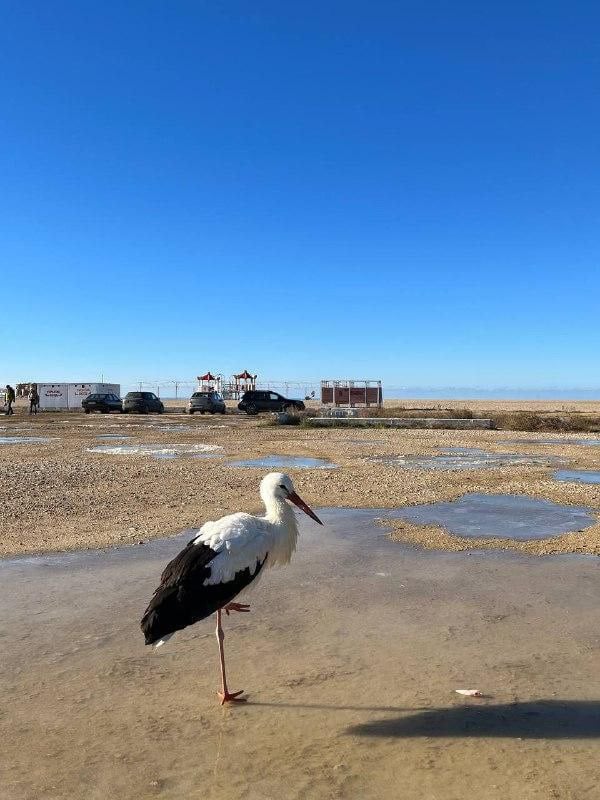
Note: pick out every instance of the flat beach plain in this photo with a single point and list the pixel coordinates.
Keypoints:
(59, 495)
(350, 656)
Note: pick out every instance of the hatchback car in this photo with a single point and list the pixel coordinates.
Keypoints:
(206, 402)
(254, 402)
(105, 403)
(142, 403)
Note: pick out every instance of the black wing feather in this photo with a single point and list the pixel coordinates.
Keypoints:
(182, 598)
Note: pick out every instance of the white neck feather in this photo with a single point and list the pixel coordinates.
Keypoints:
(282, 521)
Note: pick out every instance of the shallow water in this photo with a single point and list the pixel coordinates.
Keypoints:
(501, 515)
(284, 462)
(577, 475)
(556, 441)
(460, 458)
(350, 657)
(27, 439)
(175, 427)
(113, 436)
(155, 450)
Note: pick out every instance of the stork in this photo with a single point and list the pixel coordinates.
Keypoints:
(225, 557)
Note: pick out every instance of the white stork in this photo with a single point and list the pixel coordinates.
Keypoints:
(223, 559)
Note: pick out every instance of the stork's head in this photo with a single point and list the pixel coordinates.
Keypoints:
(279, 486)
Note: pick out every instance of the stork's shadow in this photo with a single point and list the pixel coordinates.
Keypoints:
(541, 719)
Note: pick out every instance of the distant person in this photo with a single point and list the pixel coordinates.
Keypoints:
(34, 400)
(10, 399)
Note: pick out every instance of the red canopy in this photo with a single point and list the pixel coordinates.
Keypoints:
(245, 375)
(207, 377)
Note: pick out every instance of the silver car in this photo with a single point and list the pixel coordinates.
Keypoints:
(206, 402)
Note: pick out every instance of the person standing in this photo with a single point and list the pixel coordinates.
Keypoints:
(10, 399)
(34, 400)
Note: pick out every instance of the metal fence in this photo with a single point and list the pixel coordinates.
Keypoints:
(174, 388)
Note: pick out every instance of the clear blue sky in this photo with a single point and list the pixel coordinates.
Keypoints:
(403, 190)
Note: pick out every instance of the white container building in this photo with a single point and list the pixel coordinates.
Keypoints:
(68, 396)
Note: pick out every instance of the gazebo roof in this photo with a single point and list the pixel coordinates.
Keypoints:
(244, 376)
(208, 377)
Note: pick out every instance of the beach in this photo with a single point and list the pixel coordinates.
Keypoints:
(350, 657)
(57, 495)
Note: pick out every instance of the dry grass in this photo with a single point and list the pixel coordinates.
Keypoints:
(530, 421)
(507, 420)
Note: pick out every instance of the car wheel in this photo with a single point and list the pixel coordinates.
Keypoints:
(160, 410)
(86, 411)
(104, 410)
(251, 410)
(224, 411)
(190, 412)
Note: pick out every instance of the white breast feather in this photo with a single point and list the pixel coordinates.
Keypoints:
(242, 541)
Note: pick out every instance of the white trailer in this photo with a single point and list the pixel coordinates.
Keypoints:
(68, 396)
(53, 396)
(79, 391)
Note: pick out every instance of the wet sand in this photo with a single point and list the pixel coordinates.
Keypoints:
(350, 658)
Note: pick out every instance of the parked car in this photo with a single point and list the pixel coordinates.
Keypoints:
(105, 403)
(142, 403)
(203, 402)
(255, 402)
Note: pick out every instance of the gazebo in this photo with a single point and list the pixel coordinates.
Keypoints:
(244, 382)
(209, 382)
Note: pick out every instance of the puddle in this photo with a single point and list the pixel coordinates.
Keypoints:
(583, 442)
(113, 436)
(162, 451)
(577, 475)
(457, 458)
(342, 707)
(27, 439)
(175, 427)
(284, 462)
(502, 515)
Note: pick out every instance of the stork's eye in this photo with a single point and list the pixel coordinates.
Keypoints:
(281, 486)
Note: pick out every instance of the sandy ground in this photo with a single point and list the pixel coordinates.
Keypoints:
(350, 658)
(548, 406)
(57, 495)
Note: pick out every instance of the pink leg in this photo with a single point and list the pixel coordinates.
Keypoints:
(225, 695)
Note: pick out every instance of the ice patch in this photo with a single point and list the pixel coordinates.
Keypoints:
(28, 439)
(155, 450)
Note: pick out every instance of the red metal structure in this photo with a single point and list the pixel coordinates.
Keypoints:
(209, 382)
(244, 382)
(352, 393)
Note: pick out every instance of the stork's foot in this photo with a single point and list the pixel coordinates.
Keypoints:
(243, 607)
(231, 697)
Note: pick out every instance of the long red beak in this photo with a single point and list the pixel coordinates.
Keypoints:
(298, 501)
